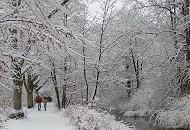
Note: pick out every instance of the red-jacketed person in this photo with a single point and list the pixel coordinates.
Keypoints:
(38, 100)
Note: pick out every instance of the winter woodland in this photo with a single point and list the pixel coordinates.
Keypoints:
(97, 59)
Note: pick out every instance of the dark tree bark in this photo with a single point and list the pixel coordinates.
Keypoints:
(30, 85)
(84, 72)
(56, 10)
(99, 60)
(54, 79)
(185, 11)
(136, 69)
(173, 13)
(17, 83)
(30, 99)
(64, 97)
(64, 89)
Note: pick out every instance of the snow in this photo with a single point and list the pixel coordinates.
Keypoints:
(177, 117)
(41, 120)
(140, 102)
(172, 119)
(88, 118)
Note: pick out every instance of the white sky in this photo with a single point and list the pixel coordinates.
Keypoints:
(95, 9)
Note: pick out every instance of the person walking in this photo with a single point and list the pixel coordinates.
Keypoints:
(38, 100)
(44, 101)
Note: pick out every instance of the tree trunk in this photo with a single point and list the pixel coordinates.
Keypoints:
(137, 75)
(17, 103)
(16, 66)
(64, 98)
(97, 83)
(17, 82)
(57, 96)
(172, 8)
(185, 12)
(55, 86)
(136, 69)
(84, 71)
(30, 85)
(54, 79)
(30, 99)
(99, 60)
(187, 30)
(64, 95)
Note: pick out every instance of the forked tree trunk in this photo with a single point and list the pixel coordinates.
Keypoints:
(30, 83)
(136, 69)
(99, 61)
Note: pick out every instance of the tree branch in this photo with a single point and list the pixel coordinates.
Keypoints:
(56, 10)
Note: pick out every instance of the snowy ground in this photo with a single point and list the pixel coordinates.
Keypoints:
(41, 120)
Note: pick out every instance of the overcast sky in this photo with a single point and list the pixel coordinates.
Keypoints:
(94, 8)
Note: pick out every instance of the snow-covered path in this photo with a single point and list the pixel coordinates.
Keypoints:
(41, 120)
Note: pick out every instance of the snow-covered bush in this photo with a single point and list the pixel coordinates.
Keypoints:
(172, 119)
(139, 105)
(177, 117)
(91, 119)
